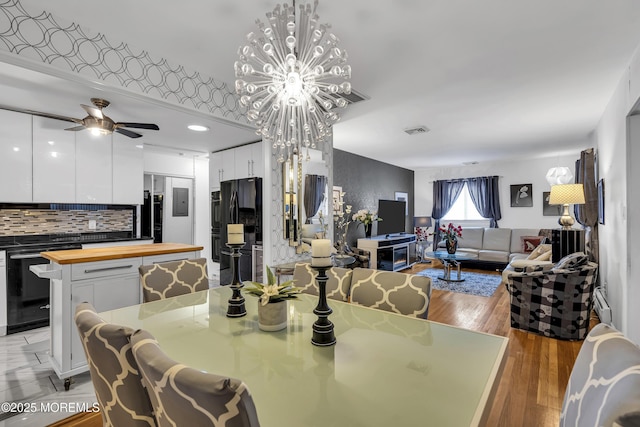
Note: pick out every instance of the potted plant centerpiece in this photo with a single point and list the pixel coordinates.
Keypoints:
(450, 235)
(272, 306)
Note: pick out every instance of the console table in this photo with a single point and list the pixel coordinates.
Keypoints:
(390, 253)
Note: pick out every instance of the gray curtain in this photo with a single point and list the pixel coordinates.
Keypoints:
(587, 214)
(445, 193)
(314, 189)
(485, 194)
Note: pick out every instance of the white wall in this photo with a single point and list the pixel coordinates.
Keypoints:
(177, 229)
(526, 171)
(615, 268)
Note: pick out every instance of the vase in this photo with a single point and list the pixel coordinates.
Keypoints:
(452, 246)
(272, 316)
(367, 231)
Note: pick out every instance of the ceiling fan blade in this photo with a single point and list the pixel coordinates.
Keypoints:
(128, 133)
(138, 125)
(76, 128)
(41, 114)
(93, 111)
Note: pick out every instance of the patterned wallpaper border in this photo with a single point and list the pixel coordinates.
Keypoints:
(73, 49)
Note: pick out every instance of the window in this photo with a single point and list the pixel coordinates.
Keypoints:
(463, 208)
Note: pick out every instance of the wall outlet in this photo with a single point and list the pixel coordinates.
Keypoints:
(92, 224)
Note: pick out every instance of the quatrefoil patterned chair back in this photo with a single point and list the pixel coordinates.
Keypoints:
(184, 396)
(407, 294)
(170, 279)
(114, 372)
(604, 386)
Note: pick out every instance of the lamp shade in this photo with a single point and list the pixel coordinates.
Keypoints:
(567, 194)
(559, 175)
(422, 221)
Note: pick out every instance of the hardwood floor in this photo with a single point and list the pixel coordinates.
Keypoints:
(537, 369)
(535, 374)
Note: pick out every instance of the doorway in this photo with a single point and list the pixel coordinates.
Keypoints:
(168, 214)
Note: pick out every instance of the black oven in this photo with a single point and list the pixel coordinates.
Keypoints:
(27, 294)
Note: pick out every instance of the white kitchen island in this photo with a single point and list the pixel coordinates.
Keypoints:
(106, 277)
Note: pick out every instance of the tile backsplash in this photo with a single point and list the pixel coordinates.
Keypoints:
(50, 221)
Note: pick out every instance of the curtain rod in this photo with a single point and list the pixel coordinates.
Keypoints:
(465, 179)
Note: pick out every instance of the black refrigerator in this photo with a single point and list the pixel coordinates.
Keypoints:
(240, 203)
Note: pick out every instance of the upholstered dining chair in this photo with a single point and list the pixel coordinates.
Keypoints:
(407, 294)
(183, 396)
(338, 282)
(170, 279)
(114, 372)
(604, 386)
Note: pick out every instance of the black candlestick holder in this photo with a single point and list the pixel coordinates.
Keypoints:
(236, 302)
(323, 334)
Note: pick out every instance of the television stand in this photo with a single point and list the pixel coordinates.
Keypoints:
(391, 252)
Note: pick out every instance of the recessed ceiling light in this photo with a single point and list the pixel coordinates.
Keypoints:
(470, 163)
(198, 128)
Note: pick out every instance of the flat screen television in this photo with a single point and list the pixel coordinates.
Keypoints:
(393, 214)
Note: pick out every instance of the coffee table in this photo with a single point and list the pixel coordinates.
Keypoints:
(450, 262)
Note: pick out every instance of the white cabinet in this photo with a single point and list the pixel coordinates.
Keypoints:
(215, 171)
(15, 157)
(257, 159)
(54, 168)
(93, 168)
(246, 161)
(128, 171)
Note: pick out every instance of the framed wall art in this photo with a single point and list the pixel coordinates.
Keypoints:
(403, 197)
(337, 200)
(547, 209)
(601, 201)
(521, 196)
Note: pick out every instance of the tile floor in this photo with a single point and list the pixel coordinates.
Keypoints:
(26, 376)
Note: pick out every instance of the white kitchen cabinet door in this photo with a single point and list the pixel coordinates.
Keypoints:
(228, 170)
(243, 161)
(128, 171)
(54, 161)
(215, 171)
(15, 157)
(257, 159)
(94, 181)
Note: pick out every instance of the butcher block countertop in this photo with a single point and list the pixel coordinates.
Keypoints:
(74, 256)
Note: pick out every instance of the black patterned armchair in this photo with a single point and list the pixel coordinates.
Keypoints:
(556, 303)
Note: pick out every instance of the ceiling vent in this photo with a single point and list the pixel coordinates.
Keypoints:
(417, 130)
(351, 98)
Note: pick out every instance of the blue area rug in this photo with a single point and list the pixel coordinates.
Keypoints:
(483, 285)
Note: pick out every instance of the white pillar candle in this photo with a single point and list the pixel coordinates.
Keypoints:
(321, 252)
(235, 233)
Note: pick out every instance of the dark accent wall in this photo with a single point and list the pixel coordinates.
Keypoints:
(365, 181)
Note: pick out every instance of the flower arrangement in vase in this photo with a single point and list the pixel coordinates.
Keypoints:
(450, 235)
(272, 307)
(366, 217)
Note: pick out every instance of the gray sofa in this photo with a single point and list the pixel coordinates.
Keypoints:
(495, 247)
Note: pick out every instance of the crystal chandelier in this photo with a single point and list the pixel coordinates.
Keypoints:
(289, 76)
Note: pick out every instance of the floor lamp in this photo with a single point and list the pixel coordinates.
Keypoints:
(421, 226)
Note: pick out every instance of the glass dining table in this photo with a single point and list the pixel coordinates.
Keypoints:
(385, 369)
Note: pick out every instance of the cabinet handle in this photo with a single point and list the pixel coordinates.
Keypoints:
(119, 267)
(249, 167)
(220, 174)
(253, 172)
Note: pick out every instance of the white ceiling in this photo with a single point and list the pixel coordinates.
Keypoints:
(492, 79)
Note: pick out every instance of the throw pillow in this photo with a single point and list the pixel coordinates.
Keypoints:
(542, 248)
(574, 260)
(545, 256)
(529, 243)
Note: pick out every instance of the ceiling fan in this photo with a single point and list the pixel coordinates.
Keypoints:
(96, 121)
